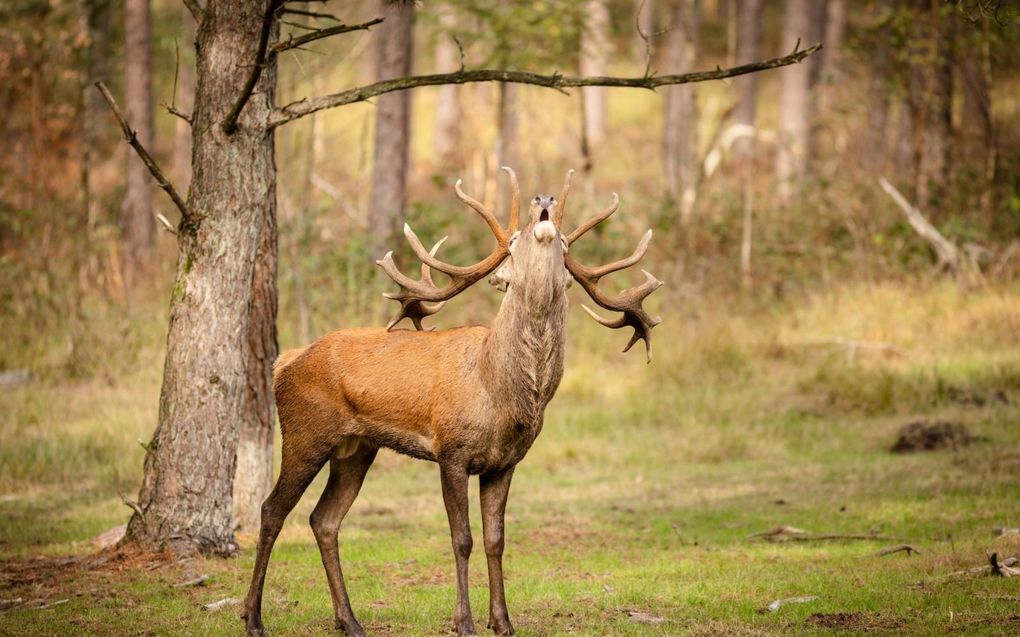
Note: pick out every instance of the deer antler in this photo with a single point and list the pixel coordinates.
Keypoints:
(422, 298)
(629, 301)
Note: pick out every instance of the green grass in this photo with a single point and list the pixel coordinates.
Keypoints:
(639, 495)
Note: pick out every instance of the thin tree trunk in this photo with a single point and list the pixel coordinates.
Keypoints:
(643, 23)
(216, 396)
(508, 125)
(448, 111)
(679, 132)
(137, 223)
(746, 86)
(933, 97)
(794, 101)
(595, 46)
(394, 57)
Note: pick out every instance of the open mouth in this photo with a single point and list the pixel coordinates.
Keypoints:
(544, 215)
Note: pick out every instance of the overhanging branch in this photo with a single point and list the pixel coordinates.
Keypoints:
(293, 43)
(150, 163)
(304, 107)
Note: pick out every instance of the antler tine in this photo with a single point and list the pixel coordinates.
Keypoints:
(412, 308)
(628, 301)
(561, 206)
(422, 298)
(515, 202)
(594, 221)
(501, 235)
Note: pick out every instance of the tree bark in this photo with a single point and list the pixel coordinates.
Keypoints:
(679, 131)
(394, 53)
(794, 101)
(137, 223)
(746, 86)
(595, 47)
(446, 144)
(216, 408)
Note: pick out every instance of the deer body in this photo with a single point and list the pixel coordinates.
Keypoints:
(471, 399)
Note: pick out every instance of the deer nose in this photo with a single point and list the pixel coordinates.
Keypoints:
(545, 232)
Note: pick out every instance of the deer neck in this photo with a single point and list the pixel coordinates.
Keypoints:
(522, 359)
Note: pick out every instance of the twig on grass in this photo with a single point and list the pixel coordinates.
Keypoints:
(907, 548)
(793, 534)
(198, 581)
(229, 601)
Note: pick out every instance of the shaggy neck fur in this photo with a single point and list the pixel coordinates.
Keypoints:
(523, 357)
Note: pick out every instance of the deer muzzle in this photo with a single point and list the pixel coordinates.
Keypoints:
(545, 232)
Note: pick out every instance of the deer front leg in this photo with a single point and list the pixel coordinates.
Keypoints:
(455, 496)
(494, 490)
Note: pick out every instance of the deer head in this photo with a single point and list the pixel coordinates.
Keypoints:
(533, 261)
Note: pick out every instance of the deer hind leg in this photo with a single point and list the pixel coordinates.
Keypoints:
(346, 474)
(296, 473)
(494, 490)
(455, 497)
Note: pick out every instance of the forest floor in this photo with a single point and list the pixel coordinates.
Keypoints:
(637, 510)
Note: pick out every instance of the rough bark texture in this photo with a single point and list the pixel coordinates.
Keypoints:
(221, 342)
(595, 46)
(394, 51)
(446, 144)
(137, 223)
(679, 145)
(746, 86)
(794, 101)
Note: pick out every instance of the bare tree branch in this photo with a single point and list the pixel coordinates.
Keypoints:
(293, 43)
(230, 123)
(304, 107)
(195, 8)
(150, 163)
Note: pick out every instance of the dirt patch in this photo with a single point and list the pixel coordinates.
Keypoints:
(928, 436)
(860, 622)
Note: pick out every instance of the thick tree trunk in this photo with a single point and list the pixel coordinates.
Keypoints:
(222, 342)
(394, 55)
(679, 154)
(446, 144)
(794, 101)
(137, 223)
(746, 86)
(595, 46)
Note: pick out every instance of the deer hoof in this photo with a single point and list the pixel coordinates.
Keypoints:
(501, 627)
(351, 627)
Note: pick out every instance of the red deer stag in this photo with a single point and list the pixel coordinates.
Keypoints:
(471, 399)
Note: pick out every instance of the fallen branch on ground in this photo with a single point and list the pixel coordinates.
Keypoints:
(907, 548)
(229, 601)
(775, 605)
(198, 581)
(793, 534)
(947, 251)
